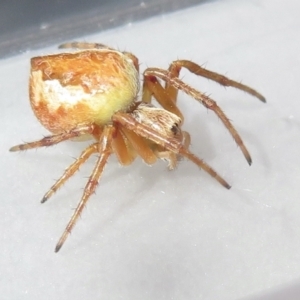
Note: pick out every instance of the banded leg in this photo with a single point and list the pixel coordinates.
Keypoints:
(203, 99)
(54, 139)
(194, 68)
(70, 171)
(104, 149)
(171, 144)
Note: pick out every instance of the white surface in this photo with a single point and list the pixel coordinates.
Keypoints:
(153, 234)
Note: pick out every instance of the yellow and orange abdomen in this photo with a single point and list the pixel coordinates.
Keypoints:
(72, 89)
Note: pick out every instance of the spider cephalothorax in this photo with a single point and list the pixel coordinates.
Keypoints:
(93, 92)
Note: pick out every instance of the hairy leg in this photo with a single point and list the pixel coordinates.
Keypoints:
(171, 144)
(175, 68)
(203, 99)
(104, 149)
(70, 171)
(55, 139)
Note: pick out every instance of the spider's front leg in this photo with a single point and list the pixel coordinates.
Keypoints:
(172, 144)
(203, 99)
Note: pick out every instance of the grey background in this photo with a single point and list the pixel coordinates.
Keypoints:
(26, 25)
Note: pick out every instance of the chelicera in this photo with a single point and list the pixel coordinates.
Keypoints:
(94, 92)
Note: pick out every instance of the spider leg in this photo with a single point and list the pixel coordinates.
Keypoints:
(141, 146)
(175, 68)
(171, 157)
(171, 144)
(104, 149)
(83, 45)
(205, 100)
(122, 148)
(70, 171)
(153, 87)
(54, 139)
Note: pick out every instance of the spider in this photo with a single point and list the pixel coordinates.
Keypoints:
(93, 92)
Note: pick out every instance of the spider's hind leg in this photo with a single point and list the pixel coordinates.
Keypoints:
(55, 138)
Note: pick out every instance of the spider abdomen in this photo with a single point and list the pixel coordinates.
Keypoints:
(71, 89)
